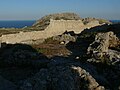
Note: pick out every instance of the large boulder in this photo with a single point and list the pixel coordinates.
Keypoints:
(66, 38)
(61, 77)
(102, 42)
(100, 48)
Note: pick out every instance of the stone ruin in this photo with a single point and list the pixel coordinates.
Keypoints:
(56, 27)
(49, 26)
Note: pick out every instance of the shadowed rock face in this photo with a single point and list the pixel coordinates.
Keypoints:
(44, 74)
(20, 55)
(62, 78)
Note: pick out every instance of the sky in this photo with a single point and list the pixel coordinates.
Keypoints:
(35, 9)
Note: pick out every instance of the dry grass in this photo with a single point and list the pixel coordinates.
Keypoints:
(51, 50)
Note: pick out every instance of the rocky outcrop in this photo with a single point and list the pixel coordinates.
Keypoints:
(66, 38)
(54, 74)
(100, 47)
(62, 74)
(30, 70)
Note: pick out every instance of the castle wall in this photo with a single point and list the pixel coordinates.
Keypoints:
(92, 24)
(56, 27)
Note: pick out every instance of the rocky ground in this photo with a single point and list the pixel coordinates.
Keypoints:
(86, 61)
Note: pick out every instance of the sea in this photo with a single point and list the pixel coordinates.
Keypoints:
(24, 23)
(115, 21)
(16, 23)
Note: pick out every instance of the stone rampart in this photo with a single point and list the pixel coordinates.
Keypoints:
(56, 27)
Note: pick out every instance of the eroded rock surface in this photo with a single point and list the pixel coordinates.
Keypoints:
(100, 47)
(66, 38)
(67, 75)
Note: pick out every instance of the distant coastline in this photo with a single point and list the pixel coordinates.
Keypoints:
(23, 23)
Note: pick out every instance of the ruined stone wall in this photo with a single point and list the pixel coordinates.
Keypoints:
(60, 26)
(92, 24)
(56, 27)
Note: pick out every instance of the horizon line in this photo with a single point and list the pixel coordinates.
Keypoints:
(37, 19)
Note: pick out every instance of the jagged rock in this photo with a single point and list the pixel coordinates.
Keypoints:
(102, 42)
(113, 40)
(71, 78)
(6, 85)
(113, 56)
(62, 75)
(100, 48)
(65, 38)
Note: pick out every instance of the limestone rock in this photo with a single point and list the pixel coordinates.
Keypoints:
(102, 42)
(100, 47)
(62, 75)
(114, 56)
(65, 38)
